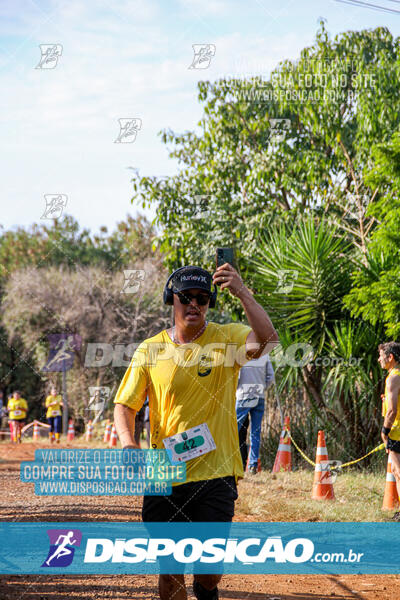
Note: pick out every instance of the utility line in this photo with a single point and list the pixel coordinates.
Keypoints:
(361, 4)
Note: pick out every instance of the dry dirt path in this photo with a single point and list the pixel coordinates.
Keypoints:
(18, 503)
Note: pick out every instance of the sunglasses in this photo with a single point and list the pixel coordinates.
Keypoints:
(187, 297)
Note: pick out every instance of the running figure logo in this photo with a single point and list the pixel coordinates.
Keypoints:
(62, 351)
(133, 277)
(203, 53)
(279, 128)
(50, 53)
(99, 395)
(286, 280)
(55, 204)
(62, 542)
(128, 129)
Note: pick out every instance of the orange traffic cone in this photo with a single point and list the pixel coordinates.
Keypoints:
(107, 432)
(114, 437)
(283, 459)
(391, 498)
(71, 431)
(322, 487)
(89, 431)
(35, 436)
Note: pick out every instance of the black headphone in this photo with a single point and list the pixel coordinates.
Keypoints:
(168, 295)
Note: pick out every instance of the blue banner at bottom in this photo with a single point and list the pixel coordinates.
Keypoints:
(151, 548)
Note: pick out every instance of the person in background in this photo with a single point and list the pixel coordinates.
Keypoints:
(244, 451)
(54, 407)
(255, 377)
(1, 408)
(147, 421)
(17, 408)
(10, 423)
(389, 359)
(139, 425)
(3, 411)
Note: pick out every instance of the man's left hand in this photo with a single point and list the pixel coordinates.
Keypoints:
(229, 278)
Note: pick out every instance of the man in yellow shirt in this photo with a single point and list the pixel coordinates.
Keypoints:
(389, 359)
(189, 373)
(17, 408)
(54, 406)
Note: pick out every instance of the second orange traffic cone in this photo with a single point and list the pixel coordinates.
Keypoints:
(322, 487)
(35, 431)
(71, 431)
(114, 437)
(89, 431)
(283, 460)
(391, 498)
(107, 433)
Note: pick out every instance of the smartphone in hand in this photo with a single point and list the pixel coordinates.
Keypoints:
(225, 255)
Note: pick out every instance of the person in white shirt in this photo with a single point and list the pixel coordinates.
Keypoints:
(255, 377)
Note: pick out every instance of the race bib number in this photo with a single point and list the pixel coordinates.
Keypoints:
(55, 413)
(17, 412)
(191, 443)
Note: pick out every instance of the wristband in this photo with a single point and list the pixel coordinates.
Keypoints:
(386, 430)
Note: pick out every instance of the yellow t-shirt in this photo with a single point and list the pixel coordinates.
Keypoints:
(17, 409)
(190, 384)
(395, 431)
(53, 410)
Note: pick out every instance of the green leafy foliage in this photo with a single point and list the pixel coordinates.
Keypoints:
(63, 243)
(312, 263)
(375, 294)
(338, 99)
(303, 274)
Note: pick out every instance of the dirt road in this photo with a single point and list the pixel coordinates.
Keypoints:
(18, 503)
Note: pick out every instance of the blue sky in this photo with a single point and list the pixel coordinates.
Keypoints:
(128, 59)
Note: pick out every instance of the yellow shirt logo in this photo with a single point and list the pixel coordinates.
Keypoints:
(205, 365)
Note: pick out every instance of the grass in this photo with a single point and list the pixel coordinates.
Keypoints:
(287, 497)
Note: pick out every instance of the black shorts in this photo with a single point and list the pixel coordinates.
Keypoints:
(212, 500)
(393, 445)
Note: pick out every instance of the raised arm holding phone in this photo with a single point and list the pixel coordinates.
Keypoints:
(198, 392)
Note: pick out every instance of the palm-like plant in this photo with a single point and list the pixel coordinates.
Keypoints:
(353, 380)
(301, 277)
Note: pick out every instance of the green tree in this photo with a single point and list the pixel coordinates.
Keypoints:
(375, 295)
(63, 242)
(244, 170)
